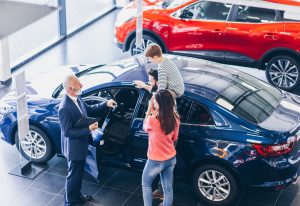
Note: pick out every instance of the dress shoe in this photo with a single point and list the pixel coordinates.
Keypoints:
(85, 198)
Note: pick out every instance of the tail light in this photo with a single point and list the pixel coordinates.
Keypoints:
(276, 150)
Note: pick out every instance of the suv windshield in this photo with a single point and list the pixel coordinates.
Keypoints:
(250, 98)
(172, 3)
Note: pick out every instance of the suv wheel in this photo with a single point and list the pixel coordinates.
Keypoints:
(146, 41)
(215, 185)
(283, 72)
(35, 146)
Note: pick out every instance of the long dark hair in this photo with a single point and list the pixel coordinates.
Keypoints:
(167, 114)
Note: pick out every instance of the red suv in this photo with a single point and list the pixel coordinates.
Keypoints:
(227, 33)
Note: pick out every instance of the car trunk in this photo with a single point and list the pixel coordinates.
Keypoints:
(286, 117)
(286, 121)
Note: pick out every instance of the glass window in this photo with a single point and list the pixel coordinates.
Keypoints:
(144, 105)
(183, 108)
(80, 12)
(250, 98)
(207, 10)
(200, 115)
(32, 38)
(43, 33)
(255, 15)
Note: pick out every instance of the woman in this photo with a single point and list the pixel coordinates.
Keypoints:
(162, 124)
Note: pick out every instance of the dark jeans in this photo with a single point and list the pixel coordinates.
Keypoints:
(74, 181)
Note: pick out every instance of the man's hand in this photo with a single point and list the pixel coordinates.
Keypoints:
(93, 126)
(139, 84)
(111, 103)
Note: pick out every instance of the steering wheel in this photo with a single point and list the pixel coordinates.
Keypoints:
(106, 94)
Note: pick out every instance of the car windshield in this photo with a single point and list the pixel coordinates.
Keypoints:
(250, 98)
(172, 3)
(101, 75)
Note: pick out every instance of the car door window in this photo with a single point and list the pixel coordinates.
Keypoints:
(200, 115)
(207, 10)
(255, 15)
(183, 107)
(144, 105)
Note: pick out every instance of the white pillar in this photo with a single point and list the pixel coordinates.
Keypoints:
(5, 72)
(139, 24)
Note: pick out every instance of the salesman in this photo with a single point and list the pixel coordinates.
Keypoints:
(75, 140)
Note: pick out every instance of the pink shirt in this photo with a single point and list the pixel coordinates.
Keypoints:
(160, 146)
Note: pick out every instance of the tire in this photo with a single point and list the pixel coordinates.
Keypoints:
(147, 39)
(43, 148)
(228, 182)
(283, 72)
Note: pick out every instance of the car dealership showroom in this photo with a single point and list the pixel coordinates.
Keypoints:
(150, 102)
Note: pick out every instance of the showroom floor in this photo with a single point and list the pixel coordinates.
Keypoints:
(117, 187)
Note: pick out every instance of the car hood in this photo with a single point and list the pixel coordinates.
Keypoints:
(286, 117)
(40, 88)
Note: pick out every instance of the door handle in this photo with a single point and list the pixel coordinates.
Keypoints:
(219, 31)
(271, 36)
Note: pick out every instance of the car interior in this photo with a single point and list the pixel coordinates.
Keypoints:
(207, 10)
(253, 14)
(118, 125)
(198, 114)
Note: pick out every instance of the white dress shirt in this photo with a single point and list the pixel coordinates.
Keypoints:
(74, 99)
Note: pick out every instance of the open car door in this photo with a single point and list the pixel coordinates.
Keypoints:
(92, 160)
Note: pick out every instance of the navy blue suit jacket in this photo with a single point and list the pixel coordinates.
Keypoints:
(75, 141)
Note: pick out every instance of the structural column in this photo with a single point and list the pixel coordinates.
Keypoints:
(5, 72)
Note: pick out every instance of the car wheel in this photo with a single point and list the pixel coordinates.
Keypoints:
(146, 41)
(215, 185)
(283, 72)
(36, 146)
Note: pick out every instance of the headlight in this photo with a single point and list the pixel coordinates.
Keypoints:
(124, 16)
(4, 110)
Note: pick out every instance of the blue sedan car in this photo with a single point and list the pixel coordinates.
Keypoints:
(235, 131)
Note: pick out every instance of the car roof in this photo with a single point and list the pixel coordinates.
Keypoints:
(201, 77)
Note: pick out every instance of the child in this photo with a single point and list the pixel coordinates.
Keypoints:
(169, 76)
(162, 124)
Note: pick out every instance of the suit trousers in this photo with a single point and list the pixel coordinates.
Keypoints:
(74, 181)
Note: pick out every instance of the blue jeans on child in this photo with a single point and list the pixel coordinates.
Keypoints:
(151, 170)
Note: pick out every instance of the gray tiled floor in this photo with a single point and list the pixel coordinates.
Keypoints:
(117, 187)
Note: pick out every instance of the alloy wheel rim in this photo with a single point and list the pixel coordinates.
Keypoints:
(283, 73)
(34, 145)
(145, 43)
(214, 185)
